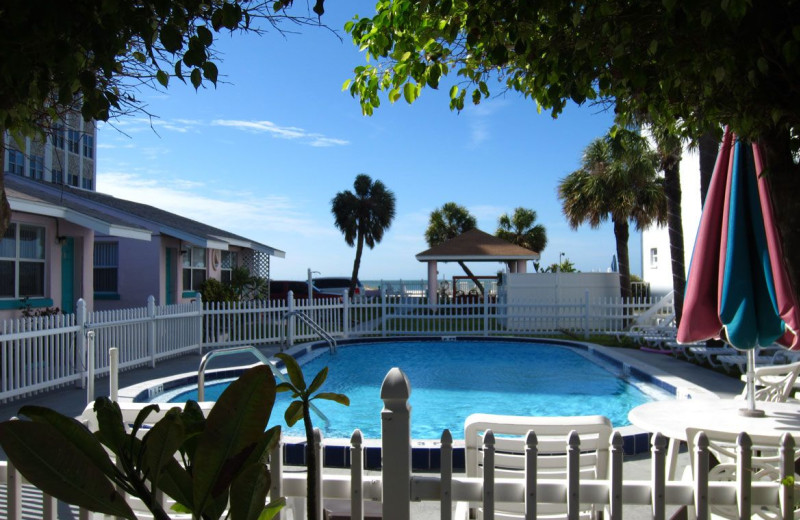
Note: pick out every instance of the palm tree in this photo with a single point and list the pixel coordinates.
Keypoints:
(363, 216)
(448, 222)
(618, 181)
(669, 148)
(519, 229)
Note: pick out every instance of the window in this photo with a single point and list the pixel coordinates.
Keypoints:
(16, 162)
(22, 261)
(57, 136)
(106, 266)
(58, 176)
(229, 262)
(88, 146)
(194, 268)
(73, 180)
(36, 166)
(86, 184)
(73, 141)
(653, 258)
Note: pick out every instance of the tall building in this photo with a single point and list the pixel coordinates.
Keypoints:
(656, 258)
(67, 156)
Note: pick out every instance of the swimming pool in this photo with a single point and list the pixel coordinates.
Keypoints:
(453, 379)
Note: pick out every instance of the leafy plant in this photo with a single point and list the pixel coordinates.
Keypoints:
(300, 408)
(202, 463)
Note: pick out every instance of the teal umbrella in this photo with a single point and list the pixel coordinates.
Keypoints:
(738, 288)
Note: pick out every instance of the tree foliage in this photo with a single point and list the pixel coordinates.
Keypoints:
(448, 222)
(520, 229)
(617, 181)
(363, 216)
(701, 63)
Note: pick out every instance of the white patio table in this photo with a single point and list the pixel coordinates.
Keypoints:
(672, 417)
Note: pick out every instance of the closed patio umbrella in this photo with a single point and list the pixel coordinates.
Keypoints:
(738, 288)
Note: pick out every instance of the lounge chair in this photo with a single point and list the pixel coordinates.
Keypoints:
(775, 382)
(551, 433)
(765, 466)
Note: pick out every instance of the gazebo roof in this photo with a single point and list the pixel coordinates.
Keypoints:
(476, 246)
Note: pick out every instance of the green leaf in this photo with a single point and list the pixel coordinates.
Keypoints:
(176, 482)
(160, 444)
(294, 412)
(453, 92)
(171, 38)
(286, 387)
(111, 429)
(293, 369)
(346, 84)
(249, 492)
(234, 426)
(272, 509)
(196, 78)
(409, 92)
(210, 72)
(178, 71)
(205, 36)
(762, 64)
(75, 433)
(141, 417)
(57, 467)
(394, 95)
(320, 378)
(329, 396)
(163, 78)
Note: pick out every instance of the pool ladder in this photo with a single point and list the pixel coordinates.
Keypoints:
(201, 372)
(313, 325)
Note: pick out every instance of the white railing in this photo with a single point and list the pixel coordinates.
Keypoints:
(396, 488)
(38, 354)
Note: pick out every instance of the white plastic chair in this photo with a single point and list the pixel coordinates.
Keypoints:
(774, 382)
(551, 433)
(765, 466)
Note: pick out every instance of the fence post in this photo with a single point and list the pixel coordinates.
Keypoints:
(396, 445)
(90, 367)
(151, 330)
(200, 309)
(485, 314)
(290, 319)
(346, 314)
(587, 315)
(80, 341)
(383, 310)
(113, 373)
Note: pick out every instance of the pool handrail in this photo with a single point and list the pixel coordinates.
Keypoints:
(316, 327)
(201, 372)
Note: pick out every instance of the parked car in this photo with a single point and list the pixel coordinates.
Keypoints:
(279, 290)
(337, 285)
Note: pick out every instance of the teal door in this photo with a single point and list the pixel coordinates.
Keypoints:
(68, 275)
(170, 288)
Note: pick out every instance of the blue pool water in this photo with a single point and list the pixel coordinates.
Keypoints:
(451, 380)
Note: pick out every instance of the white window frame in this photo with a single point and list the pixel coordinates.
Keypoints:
(36, 167)
(73, 141)
(16, 162)
(654, 258)
(194, 262)
(88, 146)
(230, 260)
(57, 136)
(17, 259)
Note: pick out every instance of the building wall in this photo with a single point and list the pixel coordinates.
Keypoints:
(138, 273)
(656, 259)
(55, 231)
(58, 159)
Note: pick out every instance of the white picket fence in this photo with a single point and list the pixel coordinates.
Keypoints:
(396, 487)
(38, 354)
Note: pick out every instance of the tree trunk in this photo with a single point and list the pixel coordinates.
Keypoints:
(356, 264)
(5, 208)
(672, 189)
(708, 148)
(621, 235)
(783, 176)
(472, 277)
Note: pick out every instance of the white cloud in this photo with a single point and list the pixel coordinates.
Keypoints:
(280, 132)
(254, 215)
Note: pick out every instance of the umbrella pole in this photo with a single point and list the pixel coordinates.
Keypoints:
(750, 387)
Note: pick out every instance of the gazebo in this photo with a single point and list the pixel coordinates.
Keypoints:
(474, 246)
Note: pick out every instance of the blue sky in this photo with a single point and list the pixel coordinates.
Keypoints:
(263, 154)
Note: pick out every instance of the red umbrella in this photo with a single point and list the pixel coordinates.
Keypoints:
(738, 288)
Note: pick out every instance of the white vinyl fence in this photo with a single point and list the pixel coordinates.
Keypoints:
(396, 487)
(38, 354)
